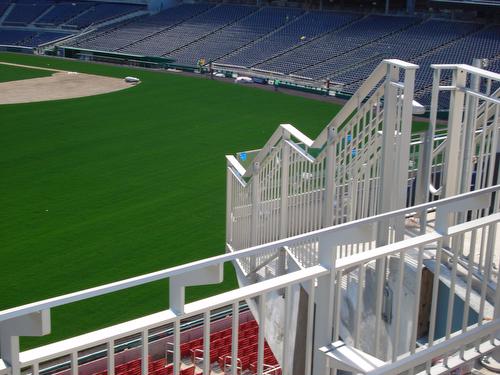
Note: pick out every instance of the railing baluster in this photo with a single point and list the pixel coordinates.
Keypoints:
(177, 346)
(310, 326)
(111, 357)
(206, 343)
(234, 338)
(398, 301)
(435, 291)
(74, 362)
(145, 352)
(359, 304)
(262, 320)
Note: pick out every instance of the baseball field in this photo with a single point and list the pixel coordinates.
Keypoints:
(100, 188)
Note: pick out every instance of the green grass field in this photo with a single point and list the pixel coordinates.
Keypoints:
(102, 188)
(14, 73)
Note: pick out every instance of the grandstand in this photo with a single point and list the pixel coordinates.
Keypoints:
(30, 23)
(335, 46)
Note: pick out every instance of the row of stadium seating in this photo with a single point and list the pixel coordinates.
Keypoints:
(220, 354)
(116, 38)
(66, 14)
(355, 35)
(191, 30)
(27, 38)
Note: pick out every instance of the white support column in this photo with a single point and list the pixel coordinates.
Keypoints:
(34, 324)
(329, 191)
(177, 284)
(9, 350)
(285, 175)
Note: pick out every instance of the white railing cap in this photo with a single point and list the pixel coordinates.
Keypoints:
(401, 63)
(469, 69)
(216, 260)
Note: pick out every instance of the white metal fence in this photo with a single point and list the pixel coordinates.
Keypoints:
(295, 184)
(366, 161)
(344, 263)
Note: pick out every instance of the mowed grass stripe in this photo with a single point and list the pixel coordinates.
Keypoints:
(102, 188)
(15, 73)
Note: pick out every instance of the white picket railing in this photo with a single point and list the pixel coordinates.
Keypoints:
(295, 184)
(344, 262)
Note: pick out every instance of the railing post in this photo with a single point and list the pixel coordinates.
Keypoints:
(254, 233)
(424, 167)
(9, 352)
(285, 175)
(323, 321)
(403, 151)
(388, 135)
(32, 324)
(229, 205)
(469, 130)
(452, 171)
(111, 357)
(329, 179)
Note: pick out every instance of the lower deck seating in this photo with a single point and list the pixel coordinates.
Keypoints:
(28, 38)
(192, 355)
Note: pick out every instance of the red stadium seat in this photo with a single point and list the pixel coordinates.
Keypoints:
(187, 371)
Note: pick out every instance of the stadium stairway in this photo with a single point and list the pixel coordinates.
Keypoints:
(48, 10)
(68, 22)
(7, 12)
